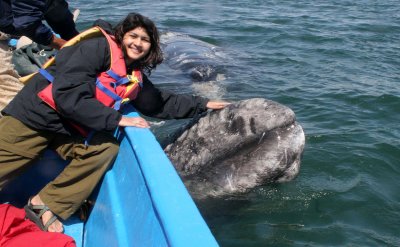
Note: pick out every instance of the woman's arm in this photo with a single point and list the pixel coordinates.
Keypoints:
(163, 104)
(157, 103)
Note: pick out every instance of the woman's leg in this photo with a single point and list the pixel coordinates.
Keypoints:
(19, 146)
(73, 186)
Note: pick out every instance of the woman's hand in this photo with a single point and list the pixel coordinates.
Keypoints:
(133, 121)
(217, 105)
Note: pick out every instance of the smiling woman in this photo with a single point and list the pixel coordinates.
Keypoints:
(78, 107)
(139, 40)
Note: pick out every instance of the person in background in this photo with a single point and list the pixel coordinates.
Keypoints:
(24, 18)
(78, 106)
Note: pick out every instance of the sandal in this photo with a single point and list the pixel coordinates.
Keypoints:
(35, 212)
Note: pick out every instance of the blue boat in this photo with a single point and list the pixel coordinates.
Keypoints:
(140, 202)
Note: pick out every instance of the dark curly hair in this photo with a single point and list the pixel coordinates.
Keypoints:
(132, 21)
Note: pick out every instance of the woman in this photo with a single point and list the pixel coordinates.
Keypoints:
(63, 114)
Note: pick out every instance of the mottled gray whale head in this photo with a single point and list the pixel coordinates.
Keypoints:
(249, 143)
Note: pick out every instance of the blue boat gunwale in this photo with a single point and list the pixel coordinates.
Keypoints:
(178, 216)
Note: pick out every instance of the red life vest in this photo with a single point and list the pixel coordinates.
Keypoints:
(113, 87)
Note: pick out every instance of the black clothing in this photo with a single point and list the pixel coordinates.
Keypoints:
(24, 17)
(75, 73)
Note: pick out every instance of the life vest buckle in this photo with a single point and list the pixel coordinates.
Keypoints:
(132, 78)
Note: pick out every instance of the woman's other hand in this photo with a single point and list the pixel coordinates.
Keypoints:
(133, 121)
(217, 105)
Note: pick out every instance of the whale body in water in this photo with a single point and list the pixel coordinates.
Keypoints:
(233, 150)
(200, 60)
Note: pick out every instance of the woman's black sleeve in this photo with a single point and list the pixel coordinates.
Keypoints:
(163, 104)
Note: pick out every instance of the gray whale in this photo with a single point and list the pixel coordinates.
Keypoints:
(230, 151)
(200, 60)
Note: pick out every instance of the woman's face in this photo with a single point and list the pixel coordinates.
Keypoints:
(135, 44)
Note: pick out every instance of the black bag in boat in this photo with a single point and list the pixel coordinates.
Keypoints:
(29, 58)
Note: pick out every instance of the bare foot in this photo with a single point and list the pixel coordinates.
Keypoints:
(56, 226)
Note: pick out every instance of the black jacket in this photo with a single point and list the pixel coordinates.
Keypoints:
(75, 74)
(24, 17)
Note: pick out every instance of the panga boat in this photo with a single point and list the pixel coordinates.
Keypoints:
(140, 202)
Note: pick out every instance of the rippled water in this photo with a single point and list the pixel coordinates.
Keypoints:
(336, 64)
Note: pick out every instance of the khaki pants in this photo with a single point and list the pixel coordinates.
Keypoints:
(21, 145)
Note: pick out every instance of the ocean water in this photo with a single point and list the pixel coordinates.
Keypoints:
(337, 65)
